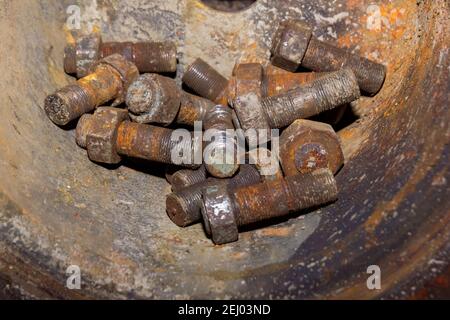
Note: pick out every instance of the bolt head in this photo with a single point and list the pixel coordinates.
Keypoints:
(218, 214)
(87, 53)
(249, 116)
(152, 98)
(127, 70)
(101, 140)
(306, 146)
(289, 44)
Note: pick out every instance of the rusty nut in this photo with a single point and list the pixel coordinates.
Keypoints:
(306, 146)
(102, 136)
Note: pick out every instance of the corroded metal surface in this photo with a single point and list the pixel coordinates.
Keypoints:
(393, 208)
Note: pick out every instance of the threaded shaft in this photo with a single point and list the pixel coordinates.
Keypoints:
(193, 108)
(68, 103)
(218, 162)
(321, 56)
(149, 142)
(183, 206)
(152, 57)
(279, 197)
(186, 177)
(327, 92)
(205, 80)
(279, 83)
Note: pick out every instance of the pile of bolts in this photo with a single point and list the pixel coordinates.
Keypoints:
(224, 195)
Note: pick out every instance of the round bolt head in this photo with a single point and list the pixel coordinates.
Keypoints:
(290, 44)
(306, 146)
(127, 70)
(101, 140)
(152, 98)
(218, 215)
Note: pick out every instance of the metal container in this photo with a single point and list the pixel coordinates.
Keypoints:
(58, 209)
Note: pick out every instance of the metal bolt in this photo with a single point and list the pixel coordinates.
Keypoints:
(205, 81)
(225, 211)
(108, 135)
(267, 164)
(186, 177)
(183, 206)
(80, 55)
(221, 151)
(327, 92)
(294, 45)
(109, 80)
(306, 146)
(152, 98)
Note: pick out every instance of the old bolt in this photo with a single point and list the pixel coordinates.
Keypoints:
(308, 145)
(109, 80)
(205, 81)
(225, 211)
(325, 93)
(186, 177)
(80, 55)
(221, 151)
(293, 45)
(152, 98)
(108, 135)
(183, 206)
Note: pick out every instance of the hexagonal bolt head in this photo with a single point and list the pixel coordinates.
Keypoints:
(306, 146)
(289, 44)
(152, 98)
(98, 133)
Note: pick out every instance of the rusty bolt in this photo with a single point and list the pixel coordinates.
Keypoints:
(294, 45)
(205, 81)
(183, 206)
(218, 160)
(152, 98)
(186, 177)
(325, 93)
(308, 145)
(108, 135)
(80, 55)
(225, 211)
(109, 80)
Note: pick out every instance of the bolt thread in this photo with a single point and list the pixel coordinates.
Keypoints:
(183, 206)
(325, 93)
(205, 80)
(68, 104)
(149, 142)
(322, 56)
(193, 108)
(186, 177)
(277, 198)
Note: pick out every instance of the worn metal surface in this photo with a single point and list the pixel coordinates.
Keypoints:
(393, 208)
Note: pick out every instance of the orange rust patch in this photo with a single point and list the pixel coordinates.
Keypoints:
(276, 232)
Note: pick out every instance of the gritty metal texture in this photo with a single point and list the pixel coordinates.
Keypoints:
(293, 46)
(186, 177)
(308, 145)
(193, 108)
(108, 81)
(205, 80)
(267, 163)
(107, 135)
(152, 98)
(183, 206)
(81, 53)
(223, 211)
(393, 203)
(221, 151)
